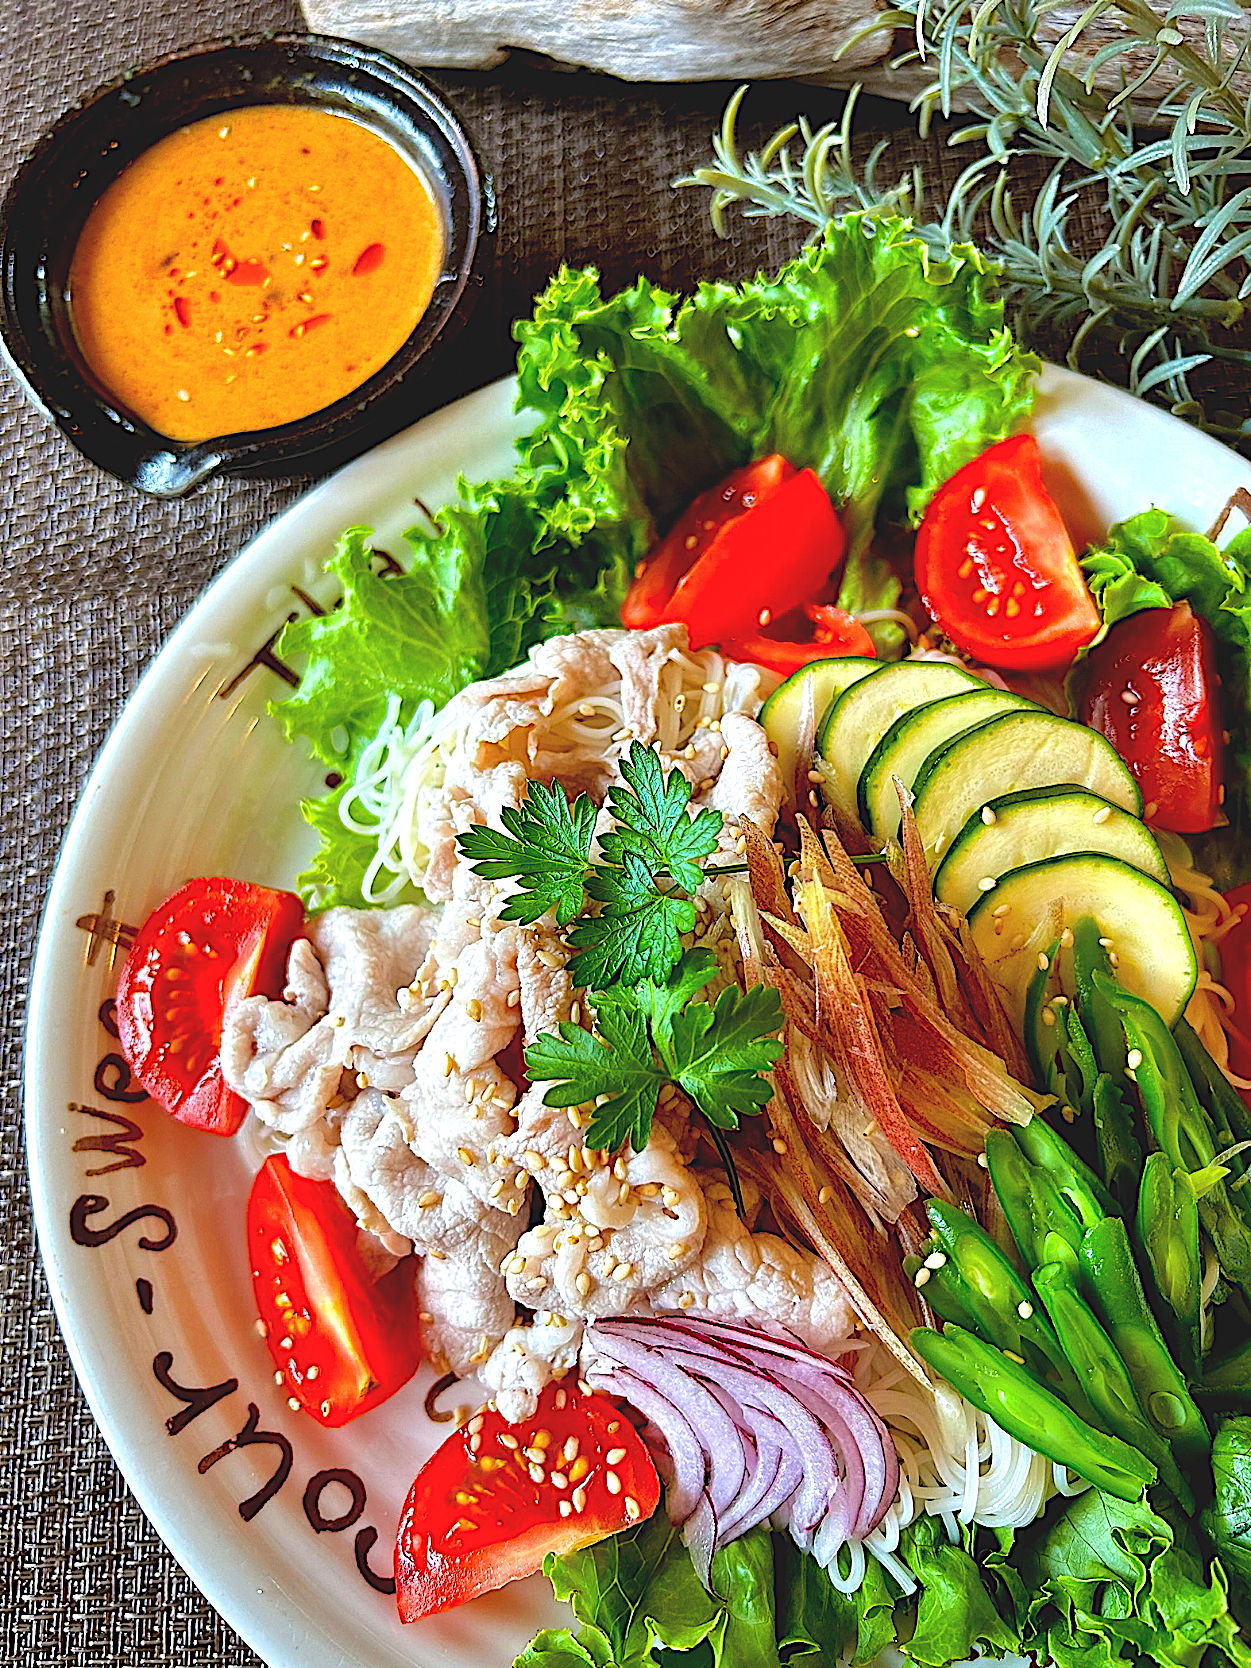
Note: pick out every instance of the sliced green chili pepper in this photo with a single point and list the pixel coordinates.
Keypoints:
(1120, 1151)
(1086, 1195)
(1083, 1070)
(1103, 1374)
(1231, 1119)
(1118, 1298)
(1098, 1019)
(1039, 1029)
(967, 1279)
(1168, 1234)
(1179, 1125)
(1015, 1400)
(1044, 1226)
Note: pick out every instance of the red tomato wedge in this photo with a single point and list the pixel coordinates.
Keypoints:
(762, 564)
(836, 633)
(491, 1503)
(209, 945)
(341, 1341)
(1153, 690)
(692, 534)
(996, 568)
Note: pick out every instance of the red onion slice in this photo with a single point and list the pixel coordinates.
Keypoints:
(700, 1534)
(717, 1432)
(862, 1436)
(754, 1426)
(688, 1462)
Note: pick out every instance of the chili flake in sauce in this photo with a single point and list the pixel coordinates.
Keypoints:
(253, 268)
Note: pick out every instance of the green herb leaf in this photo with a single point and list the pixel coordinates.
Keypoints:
(652, 821)
(617, 1063)
(718, 1052)
(546, 847)
(715, 1052)
(638, 933)
(661, 1002)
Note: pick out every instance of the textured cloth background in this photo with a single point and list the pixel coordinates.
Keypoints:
(92, 579)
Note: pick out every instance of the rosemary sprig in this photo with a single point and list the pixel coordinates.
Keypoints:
(1170, 284)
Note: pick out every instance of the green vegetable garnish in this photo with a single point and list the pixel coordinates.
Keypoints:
(637, 932)
(650, 1035)
(545, 846)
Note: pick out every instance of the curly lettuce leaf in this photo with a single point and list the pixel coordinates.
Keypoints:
(1117, 1583)
(1228, 1518)
(865, 358)
(956, 1616)
(1150, 561)
(474, 597)
(636, 1595)
(471, 601)
(813, 1617)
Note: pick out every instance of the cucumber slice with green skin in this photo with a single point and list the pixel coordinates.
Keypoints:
(782, 712)
(1027, 827)
(908, 744)
(1029, 749)
(1141, 920)
(862, 715)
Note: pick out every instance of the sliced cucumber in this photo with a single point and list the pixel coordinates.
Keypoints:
(782, 713)
(1141, 920)
(910, 741)
(1029, 749)
(1020, 828)
(862, 715)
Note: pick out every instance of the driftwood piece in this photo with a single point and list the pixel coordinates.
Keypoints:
(636, 40)
(673, 40)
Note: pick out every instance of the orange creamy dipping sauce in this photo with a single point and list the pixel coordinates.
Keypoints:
(253, 268)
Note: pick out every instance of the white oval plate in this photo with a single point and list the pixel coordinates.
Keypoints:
(141, 1220)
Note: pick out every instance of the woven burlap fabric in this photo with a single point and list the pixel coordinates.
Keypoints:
(92, 580)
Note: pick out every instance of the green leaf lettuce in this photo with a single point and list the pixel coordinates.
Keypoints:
(866, 358)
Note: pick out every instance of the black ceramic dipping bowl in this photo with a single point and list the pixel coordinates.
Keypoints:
(56, 188)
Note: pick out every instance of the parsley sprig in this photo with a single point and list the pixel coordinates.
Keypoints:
(546, 846)
(648, 1035)
(649, 865)
(625, 914)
